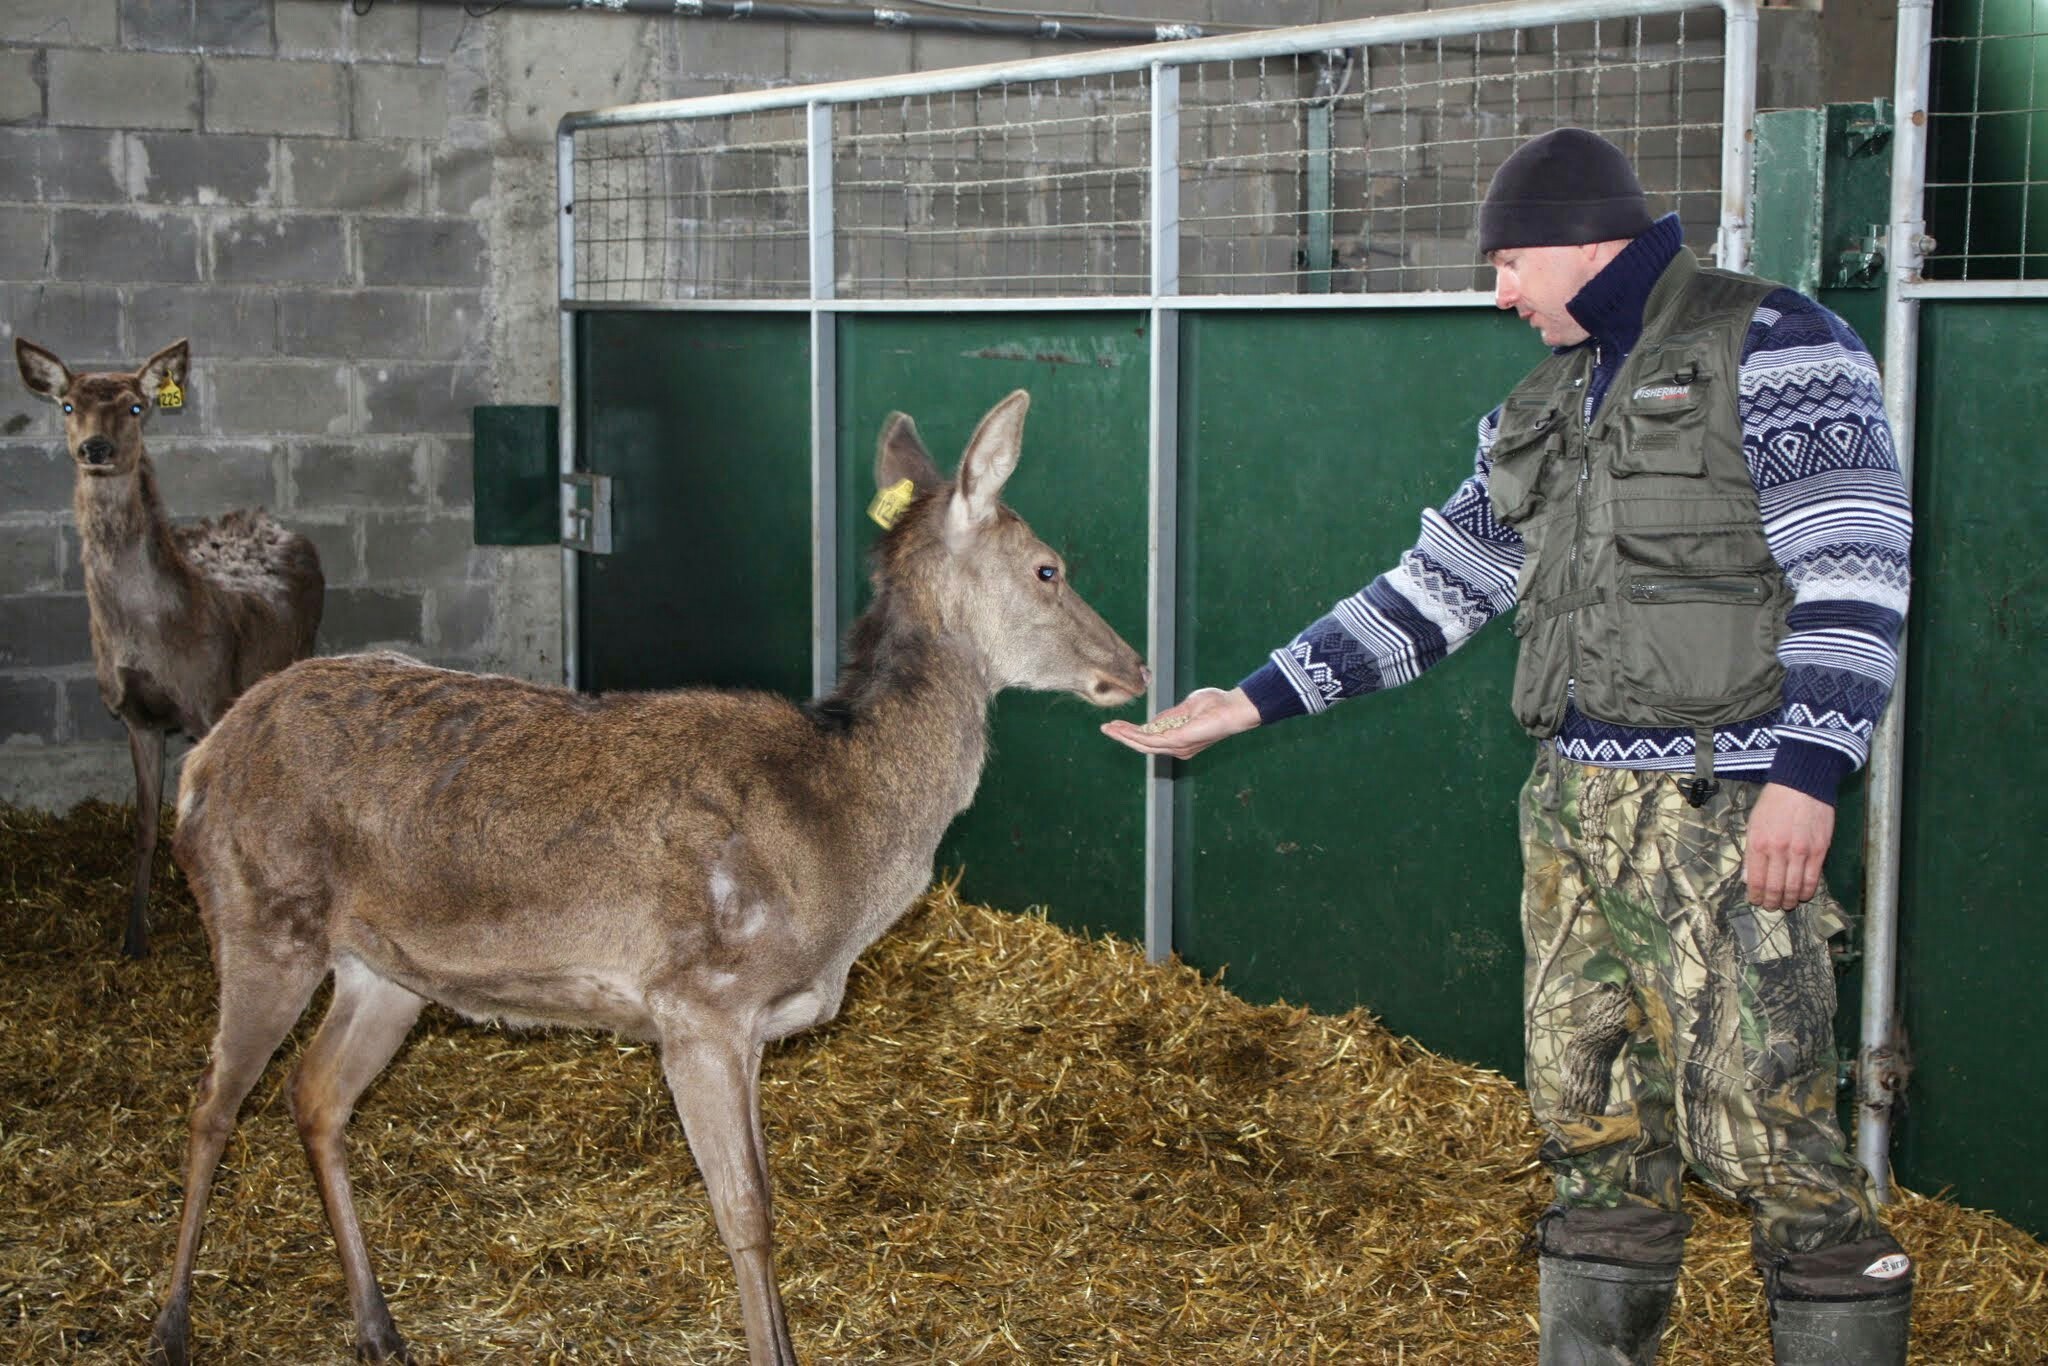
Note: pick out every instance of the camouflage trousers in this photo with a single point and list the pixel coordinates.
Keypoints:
(1669, 1022)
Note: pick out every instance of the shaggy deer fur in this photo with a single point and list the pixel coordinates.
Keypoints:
(184, 618)
(697, 868)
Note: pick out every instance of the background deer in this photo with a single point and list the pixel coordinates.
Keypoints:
(697, 868)
(184, 618)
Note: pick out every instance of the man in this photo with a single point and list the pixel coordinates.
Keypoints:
(1694, 506)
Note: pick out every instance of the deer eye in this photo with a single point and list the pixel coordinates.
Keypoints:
(1048, 572)
(67, 408)
(135, 408)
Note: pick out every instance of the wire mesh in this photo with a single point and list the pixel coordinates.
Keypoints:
(1351, 171)
(1987, 178)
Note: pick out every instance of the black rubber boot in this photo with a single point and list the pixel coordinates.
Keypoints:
(1849, 1305)
(1602, 1313)
(1606, 1282)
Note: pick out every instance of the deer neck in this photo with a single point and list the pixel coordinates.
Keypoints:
(131, 562)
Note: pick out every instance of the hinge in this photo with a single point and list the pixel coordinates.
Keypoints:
(587, 513)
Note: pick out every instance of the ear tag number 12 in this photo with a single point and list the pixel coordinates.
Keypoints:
(890, 502)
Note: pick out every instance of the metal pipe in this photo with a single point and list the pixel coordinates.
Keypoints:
(1878, 1077)
(565, 427)
(1462, 21)
(991, 26)
(1162, 585)
(1064, 303)
(1973, 289)
(1738, 133)
(824, 410)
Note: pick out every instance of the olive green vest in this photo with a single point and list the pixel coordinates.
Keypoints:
(1649, 593)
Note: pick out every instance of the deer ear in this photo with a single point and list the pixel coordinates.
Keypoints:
(171, 362)
(900, 455)
(991, 456)
(41, 371)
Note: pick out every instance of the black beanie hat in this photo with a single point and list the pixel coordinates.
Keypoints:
(1562, 188)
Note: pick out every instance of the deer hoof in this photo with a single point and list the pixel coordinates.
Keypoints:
(383, 1345)
(168, 1338)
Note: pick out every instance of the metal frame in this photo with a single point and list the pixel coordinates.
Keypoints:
(1163, 302)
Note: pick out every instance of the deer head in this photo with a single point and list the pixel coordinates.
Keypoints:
(990, 578)
(103, 413)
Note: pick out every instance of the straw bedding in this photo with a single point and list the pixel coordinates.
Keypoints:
(1015, 1144)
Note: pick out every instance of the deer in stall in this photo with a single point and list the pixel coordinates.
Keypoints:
(698, 868)
(183, 617)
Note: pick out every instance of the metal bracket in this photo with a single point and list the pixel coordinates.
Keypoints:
(1862, 263)
(587, 513)
(1868, 136)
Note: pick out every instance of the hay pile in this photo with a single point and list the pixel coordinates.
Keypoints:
(1015, 1145)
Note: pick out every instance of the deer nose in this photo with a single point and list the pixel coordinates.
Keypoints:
(96, 450)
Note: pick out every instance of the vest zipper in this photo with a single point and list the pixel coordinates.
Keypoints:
(1571, 619)
(1739, 590)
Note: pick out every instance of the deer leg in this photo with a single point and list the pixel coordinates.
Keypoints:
(367, 1021)
(146, 748)
(716, 1088)
(260, 1001)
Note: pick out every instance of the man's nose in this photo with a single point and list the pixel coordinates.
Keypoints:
(1504, 295)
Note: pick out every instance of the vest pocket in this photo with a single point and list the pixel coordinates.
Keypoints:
(1514, 481)
(1685, 647)
(1663, 426)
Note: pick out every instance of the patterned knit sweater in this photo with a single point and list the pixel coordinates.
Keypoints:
(1835, 513)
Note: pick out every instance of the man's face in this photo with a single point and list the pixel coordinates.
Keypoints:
(1537, 282)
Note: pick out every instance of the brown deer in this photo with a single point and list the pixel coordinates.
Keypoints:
(184, 618)
(699, 868)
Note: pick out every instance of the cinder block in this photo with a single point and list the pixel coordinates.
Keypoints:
(310, 28)
(24, 242)
(422, 251)
(69, 165)
(335, 539)
(464, 618)
(400, 102)
(158, 25)
(282, 398)
(422, 399)
(233, 26)
(35, 476)
(419, 550)
(1279, 13)
(456, 330)
(941, 51)
(21, 88)
(81, 323)
(31, 557)
(258, 95)
(278, 248)
(206, 478)
(357, 618)
(123, 89)
(358, 474)
(28, 709)
(827, 52)
(85, 713)
(73, 579)
(324, 174)
(142, 245)
(200, 168)
(358, 324)
(734, 48)
(221, 323)
(386, 33)
(43, 630)
(69, 23)
(460, 179)
(454, 475)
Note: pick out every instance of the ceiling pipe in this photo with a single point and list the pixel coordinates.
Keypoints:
(863, 16)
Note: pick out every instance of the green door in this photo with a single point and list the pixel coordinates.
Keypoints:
(1058, 821)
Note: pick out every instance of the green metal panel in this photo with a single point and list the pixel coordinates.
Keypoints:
(1367, 855)
(1974, 939)
(515, 471)
(1059, 818)
(702, 423)
(1823, 193)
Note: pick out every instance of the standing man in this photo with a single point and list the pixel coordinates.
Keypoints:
(1694, 508)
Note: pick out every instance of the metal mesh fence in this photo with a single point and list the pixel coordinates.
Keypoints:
(1987, 176)
(1357, 170)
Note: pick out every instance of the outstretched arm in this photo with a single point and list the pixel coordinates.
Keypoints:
(1191, 725)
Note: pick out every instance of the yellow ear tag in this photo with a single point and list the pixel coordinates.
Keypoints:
(169, 395)
(890, 502)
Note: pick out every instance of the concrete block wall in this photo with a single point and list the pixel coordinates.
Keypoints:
(351, 216)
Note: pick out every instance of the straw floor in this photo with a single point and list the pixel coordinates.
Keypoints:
(1015, 1145)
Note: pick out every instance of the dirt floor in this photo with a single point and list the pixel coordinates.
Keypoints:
(1015, 1145)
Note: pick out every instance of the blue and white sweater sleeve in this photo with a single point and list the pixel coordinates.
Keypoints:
(1839, 523)
(1459, 575)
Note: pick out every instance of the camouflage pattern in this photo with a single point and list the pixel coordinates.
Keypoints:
(1671, 1023)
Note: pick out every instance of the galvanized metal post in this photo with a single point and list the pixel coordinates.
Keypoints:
(1877, 1077)
(565, 276)
(1738, 116)
(1163, 584)
(824, 407)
